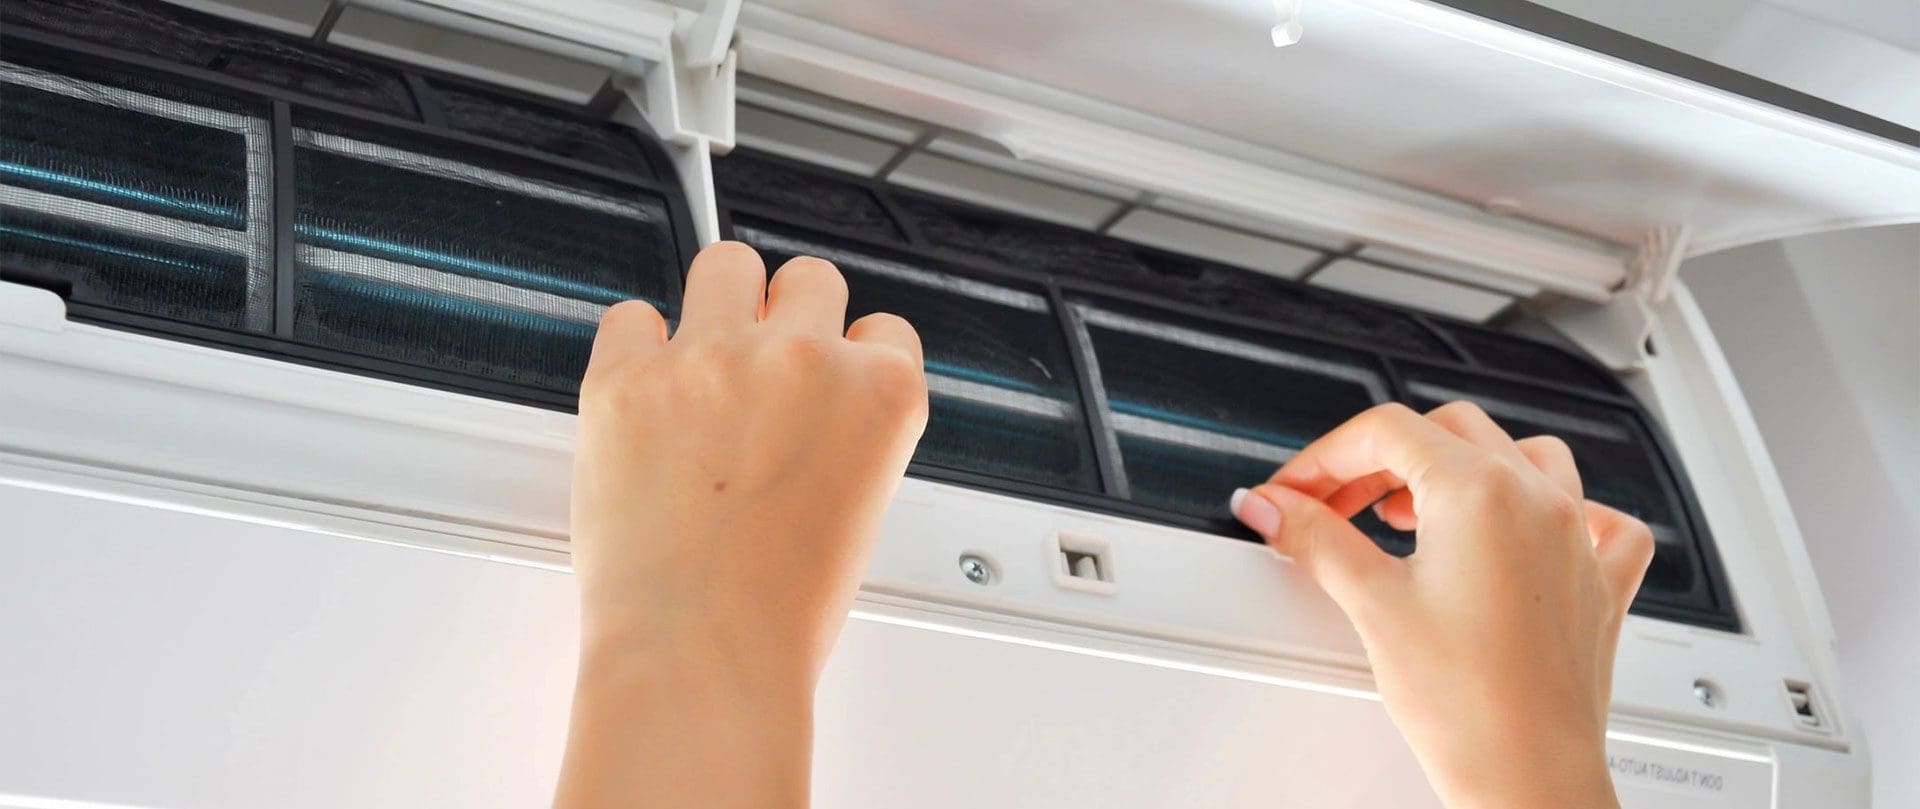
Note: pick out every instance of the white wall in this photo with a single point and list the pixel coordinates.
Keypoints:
(1823, 333)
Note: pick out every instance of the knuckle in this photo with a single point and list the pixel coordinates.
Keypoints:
(1549, 443)
(886, 323)
(728, 251)
(1481, 482)
(896, 377)
(1460, 408)
(885, 320)
(1460, 412)
(811, 271)
(1640, 538)
(629, 312)
(616, 393)
(1489, 473)
(801, 352)
(1384, 414)
(1562, 512)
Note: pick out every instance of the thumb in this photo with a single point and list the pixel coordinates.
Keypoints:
(1342, 560)
(1624, 546)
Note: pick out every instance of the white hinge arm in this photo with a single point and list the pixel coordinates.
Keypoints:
(686, 93)
(1617, 332)
(1651, 273)
(705, 43)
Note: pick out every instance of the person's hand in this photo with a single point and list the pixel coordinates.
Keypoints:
(728, 485)
(1493, 644)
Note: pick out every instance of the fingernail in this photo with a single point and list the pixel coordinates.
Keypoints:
(1256, 512)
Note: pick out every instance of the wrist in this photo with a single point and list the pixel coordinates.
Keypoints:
(1571, 775)
(675, 719)
(693, 658)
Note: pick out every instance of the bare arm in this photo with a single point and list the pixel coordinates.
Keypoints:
(727, 489)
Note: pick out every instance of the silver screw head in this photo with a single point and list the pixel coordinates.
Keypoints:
(1703, 692)
(975, 569)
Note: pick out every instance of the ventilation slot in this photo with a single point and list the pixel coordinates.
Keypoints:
(1806, 710)
(1084, 562)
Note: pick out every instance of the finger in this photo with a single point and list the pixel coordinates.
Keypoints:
(1554, 459)
(1396, 509)
(1472, 424)
(891, 331)
(627, 330)
(808, 295)
(1355, 495)
(1386, 438)
(725, 290)
(1341, 559)
(1624, 546)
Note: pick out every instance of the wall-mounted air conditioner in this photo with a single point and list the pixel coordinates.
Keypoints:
(292, 320)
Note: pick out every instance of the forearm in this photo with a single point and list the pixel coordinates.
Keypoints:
(659, 726)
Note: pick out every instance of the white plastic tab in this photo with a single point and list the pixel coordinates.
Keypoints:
(1618, 332)
(1286, 22)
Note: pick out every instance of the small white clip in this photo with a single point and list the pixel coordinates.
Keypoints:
(1286, 24)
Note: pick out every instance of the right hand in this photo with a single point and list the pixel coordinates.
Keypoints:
(1493, 644)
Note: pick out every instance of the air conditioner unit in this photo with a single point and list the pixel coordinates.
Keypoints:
(294, 299)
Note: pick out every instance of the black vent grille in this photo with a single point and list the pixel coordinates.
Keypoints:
(798, 195)
(1620, 465)
(1201, 377)
(179, 173)
(197, 40)
(409, 256)
(1004, 400)
(1195, 406)
(1532, 360)
(542, 128)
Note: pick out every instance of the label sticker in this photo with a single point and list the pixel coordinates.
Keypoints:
(1650, 776)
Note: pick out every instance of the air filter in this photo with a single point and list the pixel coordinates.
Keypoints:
(406, 252)
(1198, 410)
(133, 202)
(1003, 398)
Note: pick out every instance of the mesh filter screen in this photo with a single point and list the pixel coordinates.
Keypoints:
(201, 40)
(133, 202)
(1231, 289)
(1040, 246)
(408, 256)
(1003, 397)
(1024, 243)
(1533, 359)
(1616, 458)
(1200, 411)
(810, 197)
(116, 156)
(542, 128)
(151, 274)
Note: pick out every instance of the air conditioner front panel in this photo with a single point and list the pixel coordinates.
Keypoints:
(1415, 93)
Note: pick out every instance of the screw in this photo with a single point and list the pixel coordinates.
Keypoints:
(975, 569)
(1703, 691)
